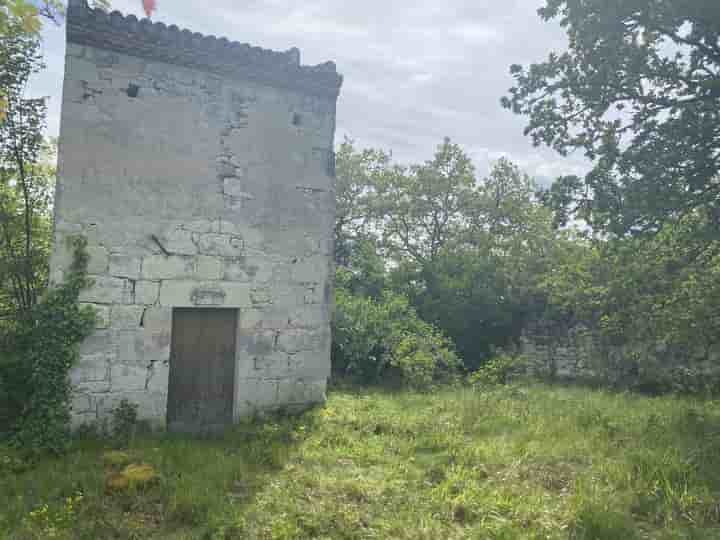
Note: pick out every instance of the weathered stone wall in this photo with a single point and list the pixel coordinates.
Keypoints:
(195, 187)
(580, 353)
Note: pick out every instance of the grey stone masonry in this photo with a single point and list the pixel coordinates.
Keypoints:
(201, 173)
(156, 41)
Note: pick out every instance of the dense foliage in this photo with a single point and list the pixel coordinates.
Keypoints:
(42, 347)
(381, 339)
(638, 91)
(481, 260)
(468, 253)
(40, 331)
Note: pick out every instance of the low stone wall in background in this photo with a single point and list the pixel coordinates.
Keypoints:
(580, 353)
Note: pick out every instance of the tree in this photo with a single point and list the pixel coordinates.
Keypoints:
(638, 91)
(483, 284)
(467, 252)
(25, 180)
(358, 175)
(424, 208)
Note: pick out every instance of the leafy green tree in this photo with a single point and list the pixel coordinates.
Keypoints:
(423, 209)
(40, 330)
(25, 180)
(358, 174)
(482, 290)
(638, 91)
(468, 253)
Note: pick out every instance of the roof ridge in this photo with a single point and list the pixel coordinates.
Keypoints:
(158, 41)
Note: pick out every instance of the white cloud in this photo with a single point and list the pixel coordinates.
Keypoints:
(414, 71)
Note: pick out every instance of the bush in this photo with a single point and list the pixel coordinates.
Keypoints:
(41, 347)
(379, 340)
(499, 370)
(124, 422)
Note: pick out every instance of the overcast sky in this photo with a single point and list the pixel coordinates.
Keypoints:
(414, 71)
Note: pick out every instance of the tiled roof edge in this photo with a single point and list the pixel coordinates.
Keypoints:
(156, 41)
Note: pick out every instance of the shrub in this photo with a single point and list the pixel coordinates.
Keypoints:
(499, 370)
(376, 340)
(41, 348)
(124, 422)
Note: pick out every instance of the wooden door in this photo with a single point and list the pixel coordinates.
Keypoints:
(202, 369)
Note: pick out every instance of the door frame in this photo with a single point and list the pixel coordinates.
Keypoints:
(236, 327)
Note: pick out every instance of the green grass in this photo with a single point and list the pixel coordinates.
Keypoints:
(535, 462)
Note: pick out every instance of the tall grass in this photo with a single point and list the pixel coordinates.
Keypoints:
(514, 462)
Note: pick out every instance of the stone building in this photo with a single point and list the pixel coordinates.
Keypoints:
(200, 171)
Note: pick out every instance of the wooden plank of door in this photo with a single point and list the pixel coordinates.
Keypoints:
(202, 369)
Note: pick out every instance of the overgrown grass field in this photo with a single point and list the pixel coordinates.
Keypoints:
(514, 462)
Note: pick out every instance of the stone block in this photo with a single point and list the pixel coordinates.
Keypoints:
(128, 378)
(75, 50)
(131, 347)
(314, 295)
(236, 229)
(208, 268)
(221, 245)
(309, 316)
(179, 242)
(271, 366)
(176, 293)
(251, 268)
(196, 293)
(260, 296)
(126, 317)
(264, 318)
(125, 266)
(158, 377)
(91, 367)
(147, 292)
(235, 269)
(313, 365)
(255, 395)
(260, 269)
(82, 69)
(81, 403)
(237, 294)
(235, 188)
(97, 260)
(296, 340)
(251, 319)
(311, 270)
(99, 342)
(202, 226)
(208, 295)
(95, 387)
(158, 318)
(163, 267)
(288, 297)
(91, 373)
(258, 343)
(292, 391)
(107, 290)
(156, 343)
